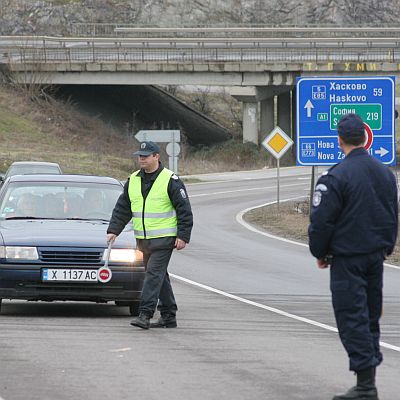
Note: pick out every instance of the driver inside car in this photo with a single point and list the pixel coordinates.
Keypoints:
(26, 206)
(93, 203)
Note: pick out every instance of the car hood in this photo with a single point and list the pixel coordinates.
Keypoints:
(63, 233)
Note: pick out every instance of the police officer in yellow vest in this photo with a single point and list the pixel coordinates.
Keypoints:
(156, 201)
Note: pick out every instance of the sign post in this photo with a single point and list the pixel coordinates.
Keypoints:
(277, 143)
(322, 102)
(172, 137)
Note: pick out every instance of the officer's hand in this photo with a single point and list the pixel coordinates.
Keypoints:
(180, 244)
(111, 237)
(322, 263)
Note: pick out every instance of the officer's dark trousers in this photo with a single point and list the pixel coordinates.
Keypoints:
(157, 285)
(356, 286)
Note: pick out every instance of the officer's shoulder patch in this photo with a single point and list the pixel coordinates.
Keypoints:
(316, 201)
(325, 173)
(183, 193)
(321, 187)
(174, 176)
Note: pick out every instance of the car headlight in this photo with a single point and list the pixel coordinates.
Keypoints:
(124, 255)
(18, 253)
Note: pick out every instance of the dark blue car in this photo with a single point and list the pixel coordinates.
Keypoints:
(53, 241)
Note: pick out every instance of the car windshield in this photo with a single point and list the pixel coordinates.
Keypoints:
(32, 169)
(59, 200)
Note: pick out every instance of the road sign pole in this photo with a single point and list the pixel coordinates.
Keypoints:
(277, 143)
(312, 185)
(278, 176)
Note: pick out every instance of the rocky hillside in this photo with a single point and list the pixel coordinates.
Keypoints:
(68, 17)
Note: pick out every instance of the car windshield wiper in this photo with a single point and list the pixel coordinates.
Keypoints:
(88, 219)
(28, 217)
(60, 219)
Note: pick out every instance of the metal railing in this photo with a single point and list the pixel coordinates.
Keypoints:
(42, 49)
(306, 42)
(121, 54)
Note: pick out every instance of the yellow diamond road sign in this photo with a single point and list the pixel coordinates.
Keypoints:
(277, 142)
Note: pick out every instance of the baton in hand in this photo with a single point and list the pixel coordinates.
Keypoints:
(104, 273)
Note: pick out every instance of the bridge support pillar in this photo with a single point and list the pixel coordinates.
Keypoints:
(251, 97)
(284, 112)
(250, 123)
(247, 95)
(267, 118)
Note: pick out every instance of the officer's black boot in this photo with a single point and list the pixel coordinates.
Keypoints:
(165, 321)
(365, 388)
(142, 321)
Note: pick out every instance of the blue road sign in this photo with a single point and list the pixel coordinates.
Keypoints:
(321, 102)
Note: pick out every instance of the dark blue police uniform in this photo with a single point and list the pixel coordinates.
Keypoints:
(354, 219)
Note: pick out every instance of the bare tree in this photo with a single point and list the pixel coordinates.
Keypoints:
(172, 89)
(319, 12)
(361, 12)
(201, 100)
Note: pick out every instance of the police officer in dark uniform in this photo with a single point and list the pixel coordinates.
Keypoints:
(353, 228)
(156, 201)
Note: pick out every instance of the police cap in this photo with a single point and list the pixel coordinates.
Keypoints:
(147, 148)
(351, 126)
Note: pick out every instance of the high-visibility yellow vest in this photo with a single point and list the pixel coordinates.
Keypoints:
(154, 217)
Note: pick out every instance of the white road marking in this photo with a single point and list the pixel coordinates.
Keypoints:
(241, 221)
(244, 190)
(271, 309)
(391, 266)
(118, 350)
(256, 173)
(243, 179)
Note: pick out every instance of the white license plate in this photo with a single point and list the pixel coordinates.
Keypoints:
(69, 275)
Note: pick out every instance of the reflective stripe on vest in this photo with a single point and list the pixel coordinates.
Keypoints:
(155, 216)
(157, 232)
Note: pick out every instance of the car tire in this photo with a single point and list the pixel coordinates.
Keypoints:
(122, 303)
(134, 309)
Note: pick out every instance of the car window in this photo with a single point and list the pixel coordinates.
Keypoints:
(59, 200)
(32, 169)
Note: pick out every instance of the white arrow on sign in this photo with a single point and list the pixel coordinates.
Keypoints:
(309, 106)
(382, 151)
(159, 135)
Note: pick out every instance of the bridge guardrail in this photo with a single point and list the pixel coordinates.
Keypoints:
(44, 49)
(121, 54)
(316, 41)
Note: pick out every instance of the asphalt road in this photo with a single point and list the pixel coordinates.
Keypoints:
(255, 320)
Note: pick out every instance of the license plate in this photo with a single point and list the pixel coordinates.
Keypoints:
(69, 275)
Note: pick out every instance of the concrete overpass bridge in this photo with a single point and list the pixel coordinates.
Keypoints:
(259, 65)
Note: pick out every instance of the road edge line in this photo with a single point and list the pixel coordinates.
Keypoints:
(271, 309)
(241, 221)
